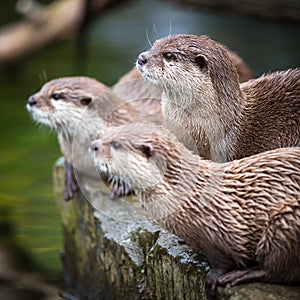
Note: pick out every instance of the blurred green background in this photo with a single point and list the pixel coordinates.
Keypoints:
(113, 42)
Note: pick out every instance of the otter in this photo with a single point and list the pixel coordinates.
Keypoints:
(80, 108)
(201, 92)
(133, 85)
(244, 215)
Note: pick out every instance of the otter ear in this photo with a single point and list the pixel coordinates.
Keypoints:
(147, 150)
(201, 61)
(85, 101)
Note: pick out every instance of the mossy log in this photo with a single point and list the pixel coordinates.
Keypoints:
(112, 251)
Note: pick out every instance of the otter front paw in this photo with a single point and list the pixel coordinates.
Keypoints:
(241, 276)
(120, 189)
(71, 184)
(211, 284)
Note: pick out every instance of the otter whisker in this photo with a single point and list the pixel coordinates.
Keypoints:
(170, 25)
(43, 76)
(155, 33)
(148, 39)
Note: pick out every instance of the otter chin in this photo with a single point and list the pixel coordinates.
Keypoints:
(79, 109)
(201, 91)
(244, 215)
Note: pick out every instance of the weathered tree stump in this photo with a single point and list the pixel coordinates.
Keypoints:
(115, 252)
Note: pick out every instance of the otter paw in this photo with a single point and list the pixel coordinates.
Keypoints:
(70, 190)
(120, 189)
(71, 184)
(68, 195)
(241, 276)
(211, 292)
(211, 285)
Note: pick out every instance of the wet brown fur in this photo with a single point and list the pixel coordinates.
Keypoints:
(202, 92)
(244, 214)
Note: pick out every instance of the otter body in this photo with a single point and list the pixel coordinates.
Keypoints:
(244, 214)
(202, 93)
(79, 109)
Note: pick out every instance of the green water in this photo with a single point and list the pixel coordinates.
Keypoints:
(114, 40)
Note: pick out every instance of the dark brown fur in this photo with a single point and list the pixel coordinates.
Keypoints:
(202, 92)
(244, 214)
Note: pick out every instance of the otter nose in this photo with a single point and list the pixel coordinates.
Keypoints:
(94, 146)
(32, 101)
(142, 60)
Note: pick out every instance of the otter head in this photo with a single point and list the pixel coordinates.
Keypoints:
(61, 102)
(141, 155)
(184, 65)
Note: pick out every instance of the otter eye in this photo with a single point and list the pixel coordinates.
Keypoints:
(169, 56)
(56, 96)
(116, 145)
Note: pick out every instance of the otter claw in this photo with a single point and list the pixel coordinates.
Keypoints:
(120, 190)
(127, 190)
(113, 192)
(211, 290)
(68, 194)
(241, 276)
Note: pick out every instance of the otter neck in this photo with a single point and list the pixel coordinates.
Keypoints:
(87, 126)
(174, 190)
(191, 202)
(217, 112)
